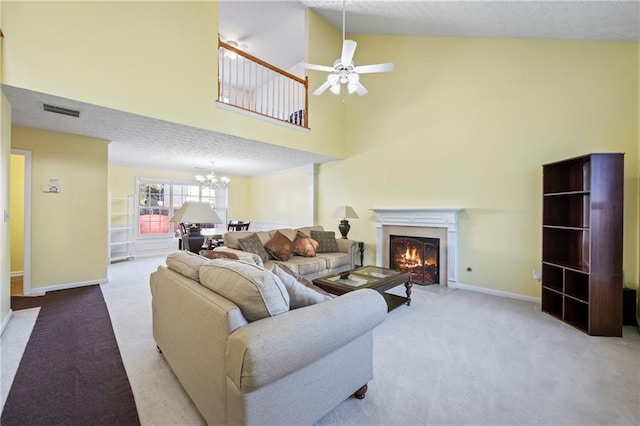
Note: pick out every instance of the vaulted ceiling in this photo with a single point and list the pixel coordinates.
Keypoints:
(264, 24)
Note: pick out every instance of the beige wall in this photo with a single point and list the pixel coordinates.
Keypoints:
(284, 196)
(468, 123)
(122, 181)
(69, 229)
(5, 154)
(157, 59)
(16, 204)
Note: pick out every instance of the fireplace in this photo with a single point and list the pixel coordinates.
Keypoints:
(419, 255)
(440, 224)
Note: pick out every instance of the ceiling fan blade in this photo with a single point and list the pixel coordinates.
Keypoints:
(322, 88)
(348, 49)
(317, 67)
(360, 89)
(365, 69)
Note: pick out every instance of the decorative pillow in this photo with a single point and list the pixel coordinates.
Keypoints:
(302, 280)
(304, 245)
(279, 247)
(210, 254)
(258, 293)
(252, 244)
(186, 263)
(299, 295)
(326, 241)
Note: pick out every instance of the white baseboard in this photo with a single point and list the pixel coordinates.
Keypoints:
(492, 292)
(17, 274)
(5, 322)
(42, 290)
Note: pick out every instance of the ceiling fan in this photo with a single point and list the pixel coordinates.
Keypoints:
(343, 71)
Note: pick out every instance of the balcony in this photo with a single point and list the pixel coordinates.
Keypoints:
(251, 84)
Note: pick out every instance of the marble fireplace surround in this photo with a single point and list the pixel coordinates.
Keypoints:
(441, 223)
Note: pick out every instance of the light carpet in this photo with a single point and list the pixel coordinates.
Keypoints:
(454, 357)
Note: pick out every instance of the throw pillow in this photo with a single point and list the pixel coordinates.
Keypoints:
(257, 292)
(302, 280)
(186, 263)
(304, 245)
(299, 295)
(252, 244)
(326, 241)
(279, 247)
(211, 254)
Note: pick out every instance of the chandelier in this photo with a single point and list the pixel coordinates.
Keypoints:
(211, 181)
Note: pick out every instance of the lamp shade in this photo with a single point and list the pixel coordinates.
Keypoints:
(346, 212)
(196, 212)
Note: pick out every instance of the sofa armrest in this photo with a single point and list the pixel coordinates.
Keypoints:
(347, 246)
(266, 350)
(242, 255)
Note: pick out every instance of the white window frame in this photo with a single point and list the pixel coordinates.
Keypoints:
(218, 198)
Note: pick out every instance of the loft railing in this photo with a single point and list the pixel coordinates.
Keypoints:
(252, 84)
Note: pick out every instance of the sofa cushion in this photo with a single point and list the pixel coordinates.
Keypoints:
(258, 293)
(304, 265)
(302, 280)
(326, 241)
(186, 263)
(304, 245)
(279, 247)
(220, 254)
(252, 244)
(299, 295)
(335, 260)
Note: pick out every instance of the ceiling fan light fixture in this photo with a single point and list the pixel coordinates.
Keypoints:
(344, 72)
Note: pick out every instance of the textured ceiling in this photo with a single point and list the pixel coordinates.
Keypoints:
(146, 142)
(549, 19)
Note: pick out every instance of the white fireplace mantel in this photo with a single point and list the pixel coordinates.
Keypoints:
(426, 218)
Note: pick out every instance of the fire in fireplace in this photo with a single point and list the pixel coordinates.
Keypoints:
(419, 255)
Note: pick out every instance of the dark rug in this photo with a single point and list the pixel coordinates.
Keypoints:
(71, 372)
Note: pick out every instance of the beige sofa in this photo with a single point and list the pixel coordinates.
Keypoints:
(310, 267)
(291, 368)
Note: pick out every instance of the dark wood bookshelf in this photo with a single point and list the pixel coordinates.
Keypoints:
(582, 242)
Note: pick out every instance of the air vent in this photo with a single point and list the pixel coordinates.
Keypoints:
(61, 110)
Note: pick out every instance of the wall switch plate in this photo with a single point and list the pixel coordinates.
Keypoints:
(51, 188)
(537, 275)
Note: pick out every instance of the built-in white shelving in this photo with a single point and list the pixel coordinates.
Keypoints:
(121, 228)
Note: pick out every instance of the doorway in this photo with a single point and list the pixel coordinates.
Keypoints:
(20, 221)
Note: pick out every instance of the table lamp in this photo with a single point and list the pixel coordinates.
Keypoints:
(195, 212)
(345, 212)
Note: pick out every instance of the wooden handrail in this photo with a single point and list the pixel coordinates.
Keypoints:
(261, 62)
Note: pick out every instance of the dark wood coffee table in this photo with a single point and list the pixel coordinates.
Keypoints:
(374, 277)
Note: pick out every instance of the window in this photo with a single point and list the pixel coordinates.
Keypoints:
(158, 200)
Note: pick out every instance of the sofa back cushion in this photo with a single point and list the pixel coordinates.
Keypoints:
(258, 293)
(307, 229)
(288, 232)
(186, 263)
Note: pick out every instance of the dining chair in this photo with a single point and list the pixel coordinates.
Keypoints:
(238, 225)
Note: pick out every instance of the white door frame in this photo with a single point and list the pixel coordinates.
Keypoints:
(26, 263)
